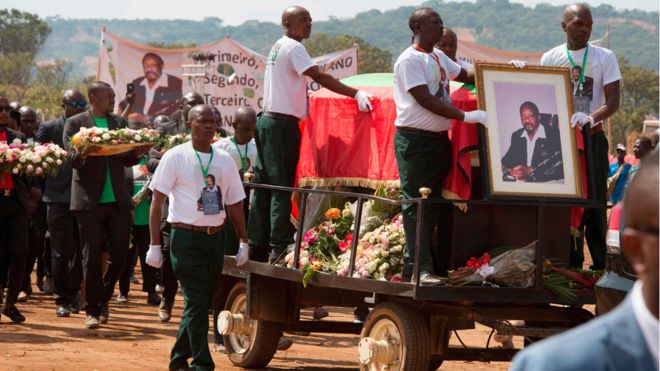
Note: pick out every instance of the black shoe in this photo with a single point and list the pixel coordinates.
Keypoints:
(164, 311)
(276, 257)
(284, 344)
(92, 322)
(153, 299)
(134, 279)
(62, 311)
(105, 314)
(12, 312)
(40, 283)
(74, 306)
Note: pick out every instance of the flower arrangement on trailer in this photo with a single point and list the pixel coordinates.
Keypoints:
(168, 142)
(32, 159)
(327, 248)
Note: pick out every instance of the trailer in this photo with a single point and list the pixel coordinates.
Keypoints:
(408, 326)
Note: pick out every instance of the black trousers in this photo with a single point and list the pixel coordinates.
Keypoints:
(105, 220)
(37, 227)
(139, 246)
(65, 250)
(13, 246)
(170, 283)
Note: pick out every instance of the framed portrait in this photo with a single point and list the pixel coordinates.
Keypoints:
(530, 147)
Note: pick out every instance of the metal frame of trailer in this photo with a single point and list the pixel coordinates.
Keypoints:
(409, 325)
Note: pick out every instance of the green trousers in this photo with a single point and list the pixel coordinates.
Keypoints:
(423, 161)
(197, 260)
(269, 224)
(594, 221)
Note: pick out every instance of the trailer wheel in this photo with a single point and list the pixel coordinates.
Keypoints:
(394, 337)
(255, 344)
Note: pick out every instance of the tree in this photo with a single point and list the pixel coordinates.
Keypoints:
(639, 99)
(370, 58)
(22, 34)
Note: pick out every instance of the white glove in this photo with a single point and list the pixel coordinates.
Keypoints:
(580, 119)
(477, 116)
(243, 254)
(362, 98)
(154, 256)
(518, 63)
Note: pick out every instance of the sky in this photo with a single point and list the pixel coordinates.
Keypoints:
(237, 12)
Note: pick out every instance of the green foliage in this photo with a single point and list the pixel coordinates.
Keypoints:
(639, 98)
(21, 32)
(370, 58)
(494, 23)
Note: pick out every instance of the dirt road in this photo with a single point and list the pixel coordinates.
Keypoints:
(135, 340)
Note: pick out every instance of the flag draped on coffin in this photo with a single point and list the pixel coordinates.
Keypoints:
(343, 146)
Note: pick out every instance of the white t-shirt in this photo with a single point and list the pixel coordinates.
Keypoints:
(414, 68)
(602, 69)
(285, 86)
(227, 144)
(179, 175)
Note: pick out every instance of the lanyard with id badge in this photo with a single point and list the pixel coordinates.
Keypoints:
(580, 103)
(210, 199)
(244, 157)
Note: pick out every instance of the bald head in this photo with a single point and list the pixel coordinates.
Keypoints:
(573, 10)
(577, 23)
(297, 22)
(418, 16)
(448, 44)
(29, 123)
(188, 101)
(198, 110)
(245, 114)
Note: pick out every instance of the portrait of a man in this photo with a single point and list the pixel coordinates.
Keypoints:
(587, 83)
(156, 93)
(210, 200)
(535, 151)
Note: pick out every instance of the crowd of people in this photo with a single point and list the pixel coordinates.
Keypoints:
(85, 229)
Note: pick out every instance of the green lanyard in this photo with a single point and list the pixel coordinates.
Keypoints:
(582, 68)
(243, 157)
(205, 171)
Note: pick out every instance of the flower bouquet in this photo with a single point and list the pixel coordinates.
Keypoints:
(112, 142)
(380, 253)
(513, 268)
(168, 142)
(323, 244)
(31, 159)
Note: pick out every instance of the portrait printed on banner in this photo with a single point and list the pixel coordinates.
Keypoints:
(156, 92)
(531, 148)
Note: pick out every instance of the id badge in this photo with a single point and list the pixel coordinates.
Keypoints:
(581, 104)
(211, 203)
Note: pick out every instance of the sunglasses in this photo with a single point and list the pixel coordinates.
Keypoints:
(80, 104)
(5, 108)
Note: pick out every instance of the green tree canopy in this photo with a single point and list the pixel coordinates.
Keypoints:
(370, 58)
(21, 32)
(639, 98)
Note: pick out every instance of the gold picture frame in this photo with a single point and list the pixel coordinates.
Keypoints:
(529, 109)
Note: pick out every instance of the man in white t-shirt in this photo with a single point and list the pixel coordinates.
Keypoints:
(278, 136)
(596, 98)
(196, 247)
(424, 113)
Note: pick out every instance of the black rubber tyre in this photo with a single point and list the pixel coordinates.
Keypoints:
(415, 352)
(262, 341)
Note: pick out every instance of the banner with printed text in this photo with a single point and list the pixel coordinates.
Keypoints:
(233, 80)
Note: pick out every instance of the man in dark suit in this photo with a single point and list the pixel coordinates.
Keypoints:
(17, 200)
(62, 224)
(535, 151)
(101, 202)
(156, 93)
(170, 283)
(627, 337)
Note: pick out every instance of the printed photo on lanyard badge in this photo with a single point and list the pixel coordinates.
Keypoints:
(582, 85)
(210, 200)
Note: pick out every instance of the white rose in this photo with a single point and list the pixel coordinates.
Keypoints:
(105, 136)
(15, 170)
(50, 160)
(96, 139)
(36, 159)
(29, 168)
(384, 267)
(22, 159)
(138, 138)
(44, 165)
(59, 162)
(16, 141)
